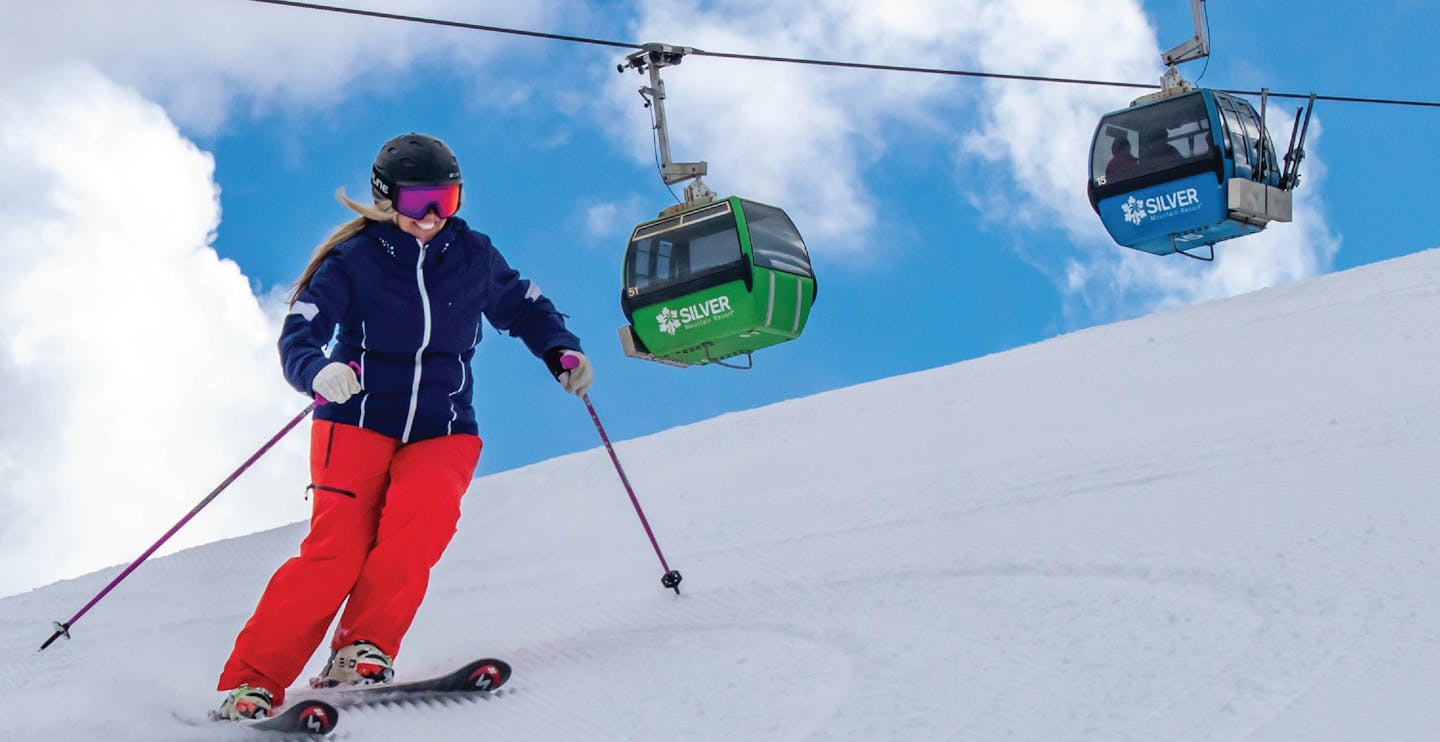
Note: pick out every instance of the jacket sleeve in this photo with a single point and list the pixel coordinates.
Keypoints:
(310, 325)
(516, 306)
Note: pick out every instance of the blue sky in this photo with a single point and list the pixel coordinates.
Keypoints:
(934, 281)
(946, 216)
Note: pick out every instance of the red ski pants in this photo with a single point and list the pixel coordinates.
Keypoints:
(383, 513)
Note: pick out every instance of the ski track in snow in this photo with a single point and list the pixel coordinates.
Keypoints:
(1213, 524)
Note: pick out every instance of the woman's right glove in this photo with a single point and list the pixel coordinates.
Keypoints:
(572, 369)
(336, 382)
(579, 374)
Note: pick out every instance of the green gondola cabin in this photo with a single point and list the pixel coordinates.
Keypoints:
(708, 282)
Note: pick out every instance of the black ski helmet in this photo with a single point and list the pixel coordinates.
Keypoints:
(412, 159)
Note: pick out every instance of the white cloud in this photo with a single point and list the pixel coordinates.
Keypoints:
(606, 221)
(1040, 133)
(137, 368)
(199, 59)
(792, 135)
(601, 219)
(804, 136)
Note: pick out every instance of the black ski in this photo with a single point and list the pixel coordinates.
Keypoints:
(305, 717)
(479, 677)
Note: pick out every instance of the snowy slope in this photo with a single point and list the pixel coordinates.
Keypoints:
(1218, 523)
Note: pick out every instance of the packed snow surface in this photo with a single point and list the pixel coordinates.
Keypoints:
(1216, 523)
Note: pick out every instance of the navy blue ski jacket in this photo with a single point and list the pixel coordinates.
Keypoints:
(410, 317)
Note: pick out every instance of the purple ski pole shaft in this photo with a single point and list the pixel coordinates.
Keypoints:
(672, 578)
(63, 629)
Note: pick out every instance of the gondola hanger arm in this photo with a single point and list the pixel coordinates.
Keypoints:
(649, 60)
(1196, 47)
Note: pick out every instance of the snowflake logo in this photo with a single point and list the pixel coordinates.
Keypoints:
(1134, 211)
(669, 321)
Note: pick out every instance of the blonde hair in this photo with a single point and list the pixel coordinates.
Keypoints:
(382, 211)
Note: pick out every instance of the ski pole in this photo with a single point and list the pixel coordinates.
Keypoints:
(63, 629)
(672, 578)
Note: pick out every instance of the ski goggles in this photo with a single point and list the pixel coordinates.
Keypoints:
(415, 201)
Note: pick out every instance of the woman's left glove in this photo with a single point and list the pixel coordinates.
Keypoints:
(572, 369)
(336, 383)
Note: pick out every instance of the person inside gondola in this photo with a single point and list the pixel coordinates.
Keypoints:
(1122, 164)
(1156, 151)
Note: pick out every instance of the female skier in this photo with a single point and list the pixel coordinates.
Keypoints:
(395, 446)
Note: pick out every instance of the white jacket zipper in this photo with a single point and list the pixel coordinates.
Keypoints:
(424, 343)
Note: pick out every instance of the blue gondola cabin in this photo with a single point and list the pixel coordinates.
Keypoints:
(1185, 168)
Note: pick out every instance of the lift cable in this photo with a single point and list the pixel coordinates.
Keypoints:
(817, 62)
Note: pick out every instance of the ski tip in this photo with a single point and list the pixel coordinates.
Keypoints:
(317, 717)
(309, 718)
(487, 674)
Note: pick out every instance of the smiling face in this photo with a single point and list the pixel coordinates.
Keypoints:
(422, 229)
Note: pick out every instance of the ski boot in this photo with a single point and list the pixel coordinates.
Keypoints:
(244, 703)
(361, 663)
